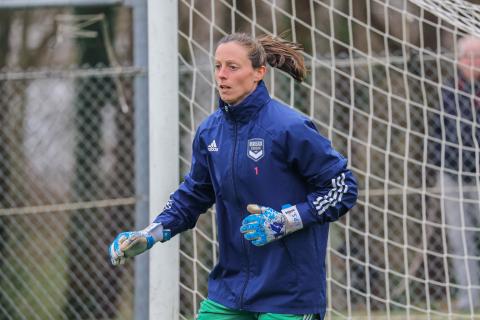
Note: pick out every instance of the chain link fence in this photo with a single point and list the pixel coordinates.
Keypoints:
(66, 189)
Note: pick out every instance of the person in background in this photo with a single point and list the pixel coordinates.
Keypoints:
(276, 182)
(458, 130)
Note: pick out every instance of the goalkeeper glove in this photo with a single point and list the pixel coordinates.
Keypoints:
(132, 243)
(265, 224)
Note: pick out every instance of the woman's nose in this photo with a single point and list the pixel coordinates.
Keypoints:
(221, 72)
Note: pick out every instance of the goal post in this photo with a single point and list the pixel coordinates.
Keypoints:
(377, 73)
(163, 151)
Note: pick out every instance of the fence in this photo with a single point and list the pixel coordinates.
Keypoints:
(67, 187)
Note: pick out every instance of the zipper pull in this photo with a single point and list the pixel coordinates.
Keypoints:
(226, 108)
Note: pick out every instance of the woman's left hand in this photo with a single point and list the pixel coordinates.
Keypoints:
(265, 224)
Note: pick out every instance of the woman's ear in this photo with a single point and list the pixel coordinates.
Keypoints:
(259, 73)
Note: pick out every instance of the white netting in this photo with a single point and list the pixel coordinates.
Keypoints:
(377, 71)
(462, 14)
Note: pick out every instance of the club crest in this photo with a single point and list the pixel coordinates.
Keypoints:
(255, 149)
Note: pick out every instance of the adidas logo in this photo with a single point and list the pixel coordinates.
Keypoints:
(212, 147)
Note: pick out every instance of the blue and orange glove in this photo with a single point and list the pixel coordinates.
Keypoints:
(132, 243)
(265, 224)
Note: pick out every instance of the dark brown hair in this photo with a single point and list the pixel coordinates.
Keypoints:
(277, 52)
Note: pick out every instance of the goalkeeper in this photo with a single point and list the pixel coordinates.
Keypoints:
(276, 183)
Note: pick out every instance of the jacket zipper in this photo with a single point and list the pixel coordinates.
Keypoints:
(240, 205)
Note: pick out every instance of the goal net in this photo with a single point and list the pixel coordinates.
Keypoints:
(381, 74)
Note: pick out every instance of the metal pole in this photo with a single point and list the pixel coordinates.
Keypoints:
(142, 216)
(164, 149)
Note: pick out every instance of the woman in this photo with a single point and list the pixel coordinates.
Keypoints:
(276, 183)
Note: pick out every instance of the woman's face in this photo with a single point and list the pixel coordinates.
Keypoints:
(234, 74)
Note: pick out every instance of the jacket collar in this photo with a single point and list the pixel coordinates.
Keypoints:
(465, 84)
(246, 109)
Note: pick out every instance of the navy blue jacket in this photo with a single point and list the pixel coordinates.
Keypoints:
(458, 127)
(263, 152)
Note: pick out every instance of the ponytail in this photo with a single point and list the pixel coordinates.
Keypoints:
(284, 55)
(277, 52)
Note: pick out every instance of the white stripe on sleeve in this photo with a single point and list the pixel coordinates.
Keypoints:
(334, 195)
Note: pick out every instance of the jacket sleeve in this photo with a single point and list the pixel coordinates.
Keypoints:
(333, 188)
(193, 197)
